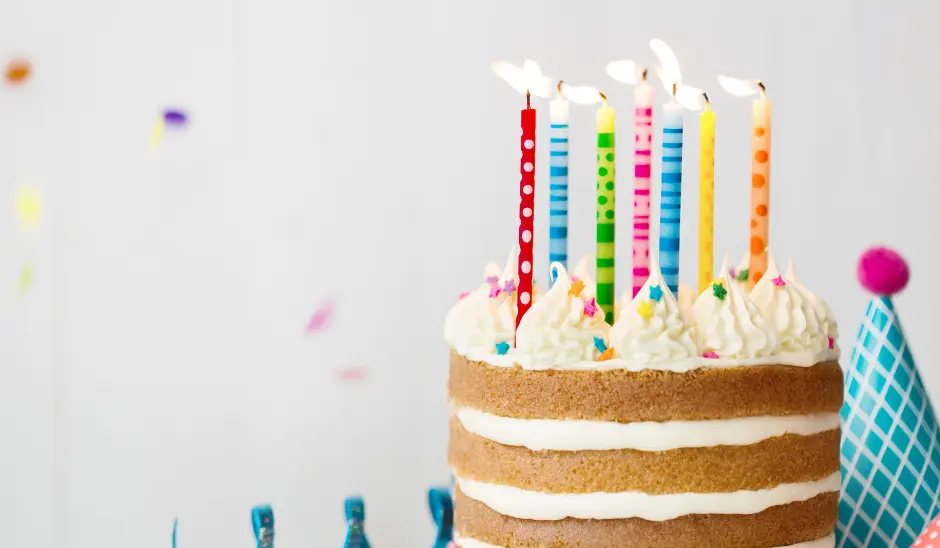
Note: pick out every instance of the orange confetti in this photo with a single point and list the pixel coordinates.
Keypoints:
(18, 71)
(576, 288)
(606, 355)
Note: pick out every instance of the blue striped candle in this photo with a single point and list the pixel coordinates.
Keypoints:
(671, 197)
(559, 113)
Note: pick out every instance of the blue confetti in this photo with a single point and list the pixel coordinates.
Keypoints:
(600, 345)
(502, 348)
(656, 292)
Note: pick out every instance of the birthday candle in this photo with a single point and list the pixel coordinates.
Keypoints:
(671, 198)
(643, 139)
(605, 209)
(760, 186)
(559, 113)
(526, 210)
(706, 200)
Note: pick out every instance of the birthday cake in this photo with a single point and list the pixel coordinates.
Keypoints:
(714, 424)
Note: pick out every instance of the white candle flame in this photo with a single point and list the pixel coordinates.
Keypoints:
(528, 77)
(624, 71)
(582, 95)
(738, 87)
(668, 69)
(689, 97)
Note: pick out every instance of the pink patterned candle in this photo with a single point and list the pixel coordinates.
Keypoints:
(643, 98)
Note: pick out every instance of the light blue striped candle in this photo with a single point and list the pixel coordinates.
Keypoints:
(671, 198)
(559, 113)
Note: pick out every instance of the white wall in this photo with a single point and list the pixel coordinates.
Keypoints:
(363, 150)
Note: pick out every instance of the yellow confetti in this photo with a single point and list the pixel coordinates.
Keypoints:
(28, 207)
(645, 309)
(576, 288)
(26, 278)
(156, 137)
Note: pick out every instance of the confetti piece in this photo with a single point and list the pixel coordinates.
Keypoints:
(718, 289)
(606, 355)
(321, 318)
(600, 345)
(356, 373)
(744, 275)
(26, 278)
(510, 286)
(779, 282)
(590, 307)
(576, 289)
(645, 309)
(733, 273)
(502, 348)
(494, 291)
(175, 118)
(492, 279)
(156, 136)
(832, 343)
(574, 279)
(710, 355)
(656, 292)
(463, 295)
(28, 207)
(18, 71)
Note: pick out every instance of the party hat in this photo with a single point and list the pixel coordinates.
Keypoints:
(890, 455)
(355, 520)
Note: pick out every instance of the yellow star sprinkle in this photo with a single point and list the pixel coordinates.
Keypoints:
(645, 309)
(576, 288)
(28, 207)
(719, 281)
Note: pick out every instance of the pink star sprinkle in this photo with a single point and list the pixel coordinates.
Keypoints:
(574, 279)
(832, 343)
(510, 286)
(590, 307)
(732, 273)
(778, 281)
(494, 291)
(710, 355)
(463, 295)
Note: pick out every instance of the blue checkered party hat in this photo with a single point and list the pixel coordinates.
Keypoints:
(890, 453)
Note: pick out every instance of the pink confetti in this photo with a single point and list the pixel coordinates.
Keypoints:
(733, 273)
(463, 295)
(492, 279)
(494, 291)
(510, 286)
(590, 307)
(322, 317)
(710, 355)
(356, 373)
(779, 282)
(832, 343)
(574, 279)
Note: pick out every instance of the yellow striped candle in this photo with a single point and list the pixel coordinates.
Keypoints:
(706, 198)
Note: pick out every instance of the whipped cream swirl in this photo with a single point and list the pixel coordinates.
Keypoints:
(582, 273)
(827, 321)
(477, 322)
(788, 312)
(659, 334)
(556, 331)
(729, 324)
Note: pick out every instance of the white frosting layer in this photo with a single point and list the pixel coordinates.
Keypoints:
(796, 359)
(825, 542)
(788, 312)
(522, 504)
(583, 273)
(556, 331)
(584, 435)
(663, 337)
(731, 325)
(826, 320)
(477, 322)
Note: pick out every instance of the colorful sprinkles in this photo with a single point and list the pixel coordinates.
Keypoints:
(600, 345)
(590, 307)
(494, 291)
(744, 275)
(492, 279)
(656, 292)
(510, 286)
(645, 309)
(779, 281)
(576, 289)
(710, 355)
(718, 289)
(832, 343)
(502, 348)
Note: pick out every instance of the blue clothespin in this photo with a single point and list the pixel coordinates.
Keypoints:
(176, 522)
(262, 521)
(442, 512)
(355, 518)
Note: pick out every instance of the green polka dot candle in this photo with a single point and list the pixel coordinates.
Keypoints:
(605, 210)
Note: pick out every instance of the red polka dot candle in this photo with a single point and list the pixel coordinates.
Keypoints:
(760, 186)
(526, 211)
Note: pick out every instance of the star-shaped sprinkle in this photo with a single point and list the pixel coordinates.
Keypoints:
(733, 273)
(656, 292)
(502, 348)
(492, 279)
(494, 291)
(718, 289)
(710, 355)
(779, 281)
(576, 289)
(645, 309)
(599, 344)
(744, 275)
(832, 343)
(509, 286)
(590, 307)
(606, 355)
(463, 295)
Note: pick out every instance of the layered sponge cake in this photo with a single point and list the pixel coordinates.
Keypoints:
(714, 425)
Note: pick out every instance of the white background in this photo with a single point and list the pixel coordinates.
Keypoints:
(363, 150)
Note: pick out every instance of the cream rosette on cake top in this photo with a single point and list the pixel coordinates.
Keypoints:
(560, 328)
(486, 316)
(827, 322)
(788, 312)
(582, 273)
(652, 330)
(729, 325)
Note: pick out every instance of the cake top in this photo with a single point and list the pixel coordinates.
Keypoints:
(778, 322)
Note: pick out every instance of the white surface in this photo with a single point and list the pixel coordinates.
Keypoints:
(825, 542)
(158, 370)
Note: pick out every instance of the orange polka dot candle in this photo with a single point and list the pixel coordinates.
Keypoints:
(760, 186)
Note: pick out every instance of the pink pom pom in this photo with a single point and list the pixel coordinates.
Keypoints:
(882, 271)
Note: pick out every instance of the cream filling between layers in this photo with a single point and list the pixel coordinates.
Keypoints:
(825, 542)
(583, 435)
(522, 504)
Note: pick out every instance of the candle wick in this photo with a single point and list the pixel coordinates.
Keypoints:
(707, 102)
(603, 97)
(645, 70)
(674, 88)
(528, 99)
(763, 89)
(560, 82)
